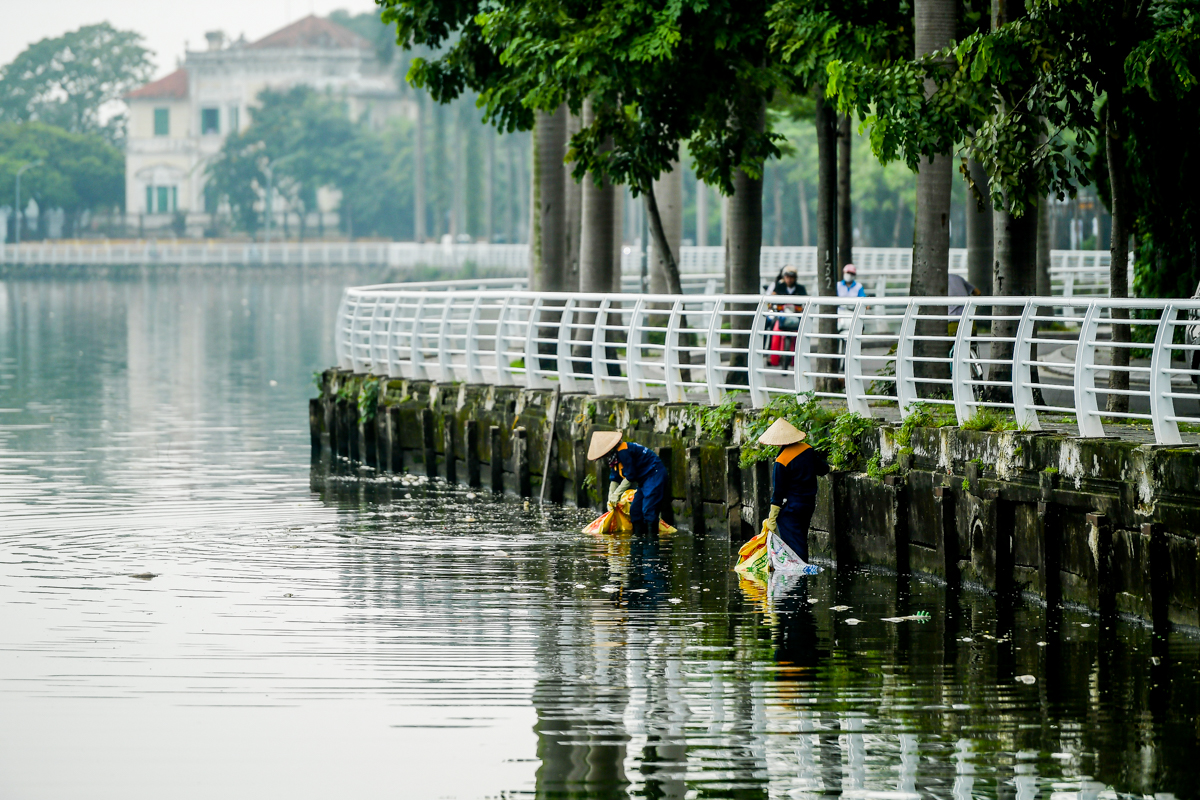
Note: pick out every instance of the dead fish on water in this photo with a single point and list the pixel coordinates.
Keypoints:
(145, 576)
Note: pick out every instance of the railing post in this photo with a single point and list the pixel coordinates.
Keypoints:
(855, 388)
(803, 362)
(503, 371)
(754, 376)
(566, 367)
(415, 356)
(471, 344)
(960, 369)
(633, 348)
(712, 359)
(445, 366)
(341, 348)
(906, 374)
(675, 393)
(1026, 415)
(1162, 405)
(1087, 410)
(600, 381)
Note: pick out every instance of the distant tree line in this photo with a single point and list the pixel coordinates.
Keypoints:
(59, 104)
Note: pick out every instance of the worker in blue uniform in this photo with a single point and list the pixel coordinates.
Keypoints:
(794, 495)
(629, 463)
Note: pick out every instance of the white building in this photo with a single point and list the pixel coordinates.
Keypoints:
(178, 123)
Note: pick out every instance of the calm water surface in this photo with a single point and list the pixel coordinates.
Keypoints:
(415, 641)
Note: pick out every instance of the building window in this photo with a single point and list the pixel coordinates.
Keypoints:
(210, 121)
(162, 199)
(162, 122)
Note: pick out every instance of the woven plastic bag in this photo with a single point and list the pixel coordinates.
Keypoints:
(753, 559)
(785, 561)
(619, 521)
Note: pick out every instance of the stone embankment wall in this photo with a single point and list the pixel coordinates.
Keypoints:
(1102, 524)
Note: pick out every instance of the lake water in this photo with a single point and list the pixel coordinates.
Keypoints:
(378, 640)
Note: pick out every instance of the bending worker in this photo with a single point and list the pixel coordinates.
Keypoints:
(795, 485)
(628, 464)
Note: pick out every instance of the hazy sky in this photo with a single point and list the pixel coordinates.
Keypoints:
(165, 25)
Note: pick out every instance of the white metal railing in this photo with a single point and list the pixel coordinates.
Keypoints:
(1026, 357)
(884, 270)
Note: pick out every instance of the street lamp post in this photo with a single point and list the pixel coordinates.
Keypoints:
(17, 200)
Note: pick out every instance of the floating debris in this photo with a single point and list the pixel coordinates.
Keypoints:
(610, 588)
(674, 600)
(638, 591)
(812, 601)
(851, 621)
(470, 495)
(966, 639)
(697, 625)
(145, 576)
(470, 519)
(1041, 644)
(920, 616)
(581, 586)
(1028, 680)
(289, 594)
(503, 554)
(1085, 624)
(839, 608)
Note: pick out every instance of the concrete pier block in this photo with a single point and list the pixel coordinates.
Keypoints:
(471, 446)
(428, 450)
(695, 490)
(497, 455)
(579, 453)
(449, 449)
(521, 462)
(733, 493)
(1100, 543)
(368, 438)
(667, 509)
(316, 423)
(395, 441)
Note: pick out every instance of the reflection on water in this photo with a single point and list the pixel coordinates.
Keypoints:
(416, 641)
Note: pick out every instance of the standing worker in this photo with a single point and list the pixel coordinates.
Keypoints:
(795, 485)
(629, 463)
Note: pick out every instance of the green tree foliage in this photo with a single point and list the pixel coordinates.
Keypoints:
(71, 81)
(308, 142)
(658, 72)
(79, 171)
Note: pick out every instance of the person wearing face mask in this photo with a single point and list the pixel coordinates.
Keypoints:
(848, 286)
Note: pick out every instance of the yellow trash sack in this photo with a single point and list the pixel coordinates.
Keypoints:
(619, 521)
(754, 560)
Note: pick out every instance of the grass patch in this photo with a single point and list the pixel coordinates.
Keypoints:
(989, 419)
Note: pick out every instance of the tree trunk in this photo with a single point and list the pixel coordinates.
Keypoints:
(777, 176)
(1014, 275)
(1118, 279)
(597, 215)
(658, 235)
(933, 29)
(489, 184)
(618, 240)
(548, 219)
(979, 232)
(668, 193)
(1042, 282)
(437, 203)
(805, 233)
(845, 215)
(573, 194)
(701, 214)
(827, 233)
(419, 233)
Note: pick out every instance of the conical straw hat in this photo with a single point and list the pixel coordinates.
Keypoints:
(781, 432)
(602, 442)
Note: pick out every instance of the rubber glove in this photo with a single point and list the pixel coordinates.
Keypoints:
(771, 523)
(615, 490)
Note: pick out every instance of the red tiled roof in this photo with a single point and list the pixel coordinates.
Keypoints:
(174, 86)
(313, 31)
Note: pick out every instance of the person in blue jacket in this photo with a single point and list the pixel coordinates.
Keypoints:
(629, 463)
(794, 495)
